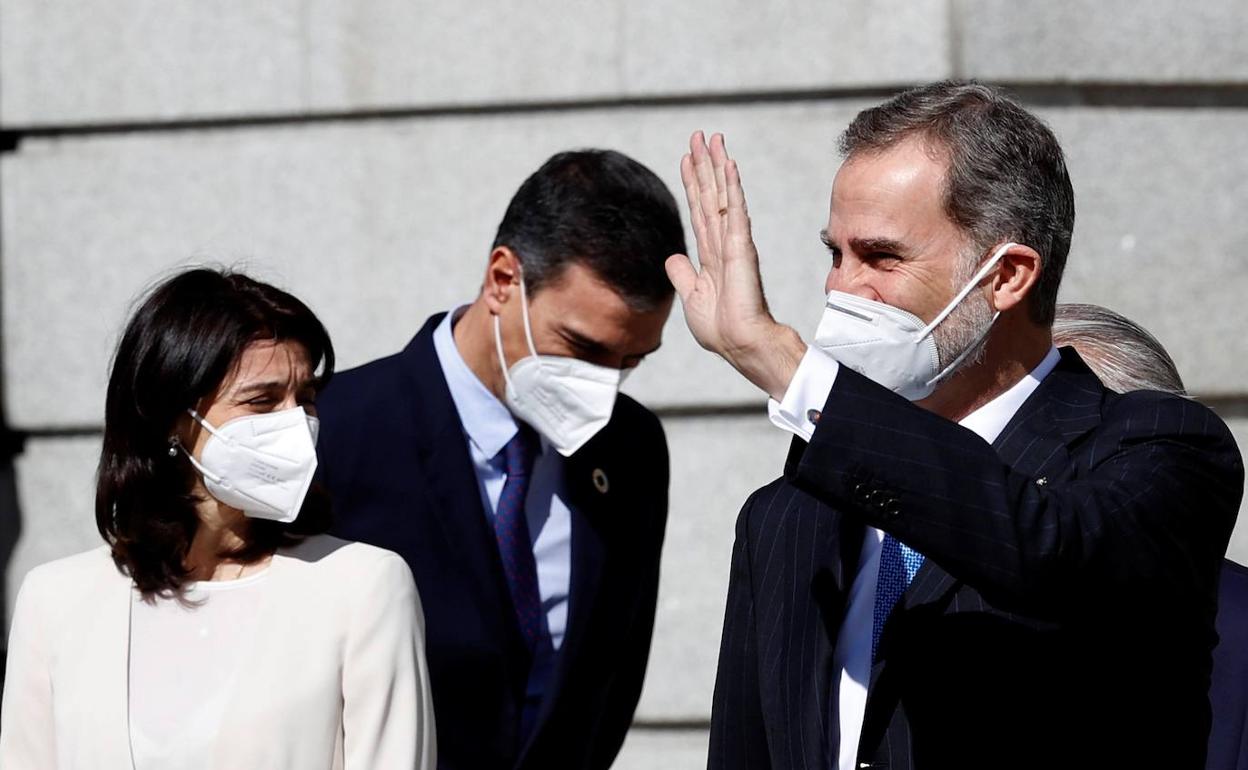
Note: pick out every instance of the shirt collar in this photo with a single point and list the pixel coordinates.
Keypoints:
(487, 421)
(990, 419)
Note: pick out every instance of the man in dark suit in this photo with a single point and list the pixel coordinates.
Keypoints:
(977, 556)
(493, 454)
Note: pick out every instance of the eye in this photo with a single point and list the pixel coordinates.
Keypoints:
(882, 259)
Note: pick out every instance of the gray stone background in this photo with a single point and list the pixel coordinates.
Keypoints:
(361, 154)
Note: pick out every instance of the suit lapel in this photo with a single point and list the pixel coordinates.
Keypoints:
(1035, 442)
(445, 462)
(1064, 407)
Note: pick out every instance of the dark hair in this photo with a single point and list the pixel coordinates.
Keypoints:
(1007, 178)
(601, 209)
(178, 348)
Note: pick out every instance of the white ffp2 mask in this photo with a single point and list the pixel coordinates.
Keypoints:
(565, 399)
(891, 346)
(261, 464)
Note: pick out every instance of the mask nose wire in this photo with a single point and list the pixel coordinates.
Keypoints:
(967, 289)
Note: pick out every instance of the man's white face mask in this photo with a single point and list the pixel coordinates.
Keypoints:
(261, 464)
(891, 346)
(565, 399)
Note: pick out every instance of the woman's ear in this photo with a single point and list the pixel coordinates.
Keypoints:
(502, 278)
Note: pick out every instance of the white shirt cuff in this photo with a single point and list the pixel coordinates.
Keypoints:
(807, 392)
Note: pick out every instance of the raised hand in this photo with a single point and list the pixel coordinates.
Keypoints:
(723, 300)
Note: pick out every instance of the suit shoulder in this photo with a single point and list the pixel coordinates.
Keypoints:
(1166, 415)
(634, 413)
(354, 386)
(773, 503)
(1234, 589)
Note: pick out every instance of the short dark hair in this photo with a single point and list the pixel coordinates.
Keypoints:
(1007, 177)
(179, 347)
(600, 209)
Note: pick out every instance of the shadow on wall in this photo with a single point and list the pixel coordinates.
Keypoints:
(10, 518)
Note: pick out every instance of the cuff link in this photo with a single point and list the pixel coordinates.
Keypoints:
(813, 415)
(601, 483)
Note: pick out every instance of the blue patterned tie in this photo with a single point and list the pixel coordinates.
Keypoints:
(898, 565)
(511, 527)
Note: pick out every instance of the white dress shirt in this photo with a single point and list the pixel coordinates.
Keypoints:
(488, 426)
(851, 659)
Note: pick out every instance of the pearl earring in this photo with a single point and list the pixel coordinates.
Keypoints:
(173, 447)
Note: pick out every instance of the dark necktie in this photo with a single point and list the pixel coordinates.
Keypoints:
(511, 527)
(898, 565)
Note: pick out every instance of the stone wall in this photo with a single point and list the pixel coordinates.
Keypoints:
(362, 154)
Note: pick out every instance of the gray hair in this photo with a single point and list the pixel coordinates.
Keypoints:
(1119, 351)
(1006, 180)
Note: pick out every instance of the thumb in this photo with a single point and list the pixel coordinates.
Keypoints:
(682, 275)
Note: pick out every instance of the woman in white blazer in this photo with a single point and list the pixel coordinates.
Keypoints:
(217, 628)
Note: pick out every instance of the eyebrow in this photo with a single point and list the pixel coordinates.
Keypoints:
(867, 245)
(270, 385)
(594, 347)
(875, 245)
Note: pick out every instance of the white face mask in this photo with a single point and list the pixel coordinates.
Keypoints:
(891, 346)
(565, 399)
(261, 464)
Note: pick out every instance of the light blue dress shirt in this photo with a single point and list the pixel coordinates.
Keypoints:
(488, 426)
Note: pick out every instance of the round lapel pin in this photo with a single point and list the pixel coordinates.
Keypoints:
(600, 481)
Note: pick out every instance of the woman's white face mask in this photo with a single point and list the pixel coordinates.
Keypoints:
(565, 399)
(892, 346)
(261, 464)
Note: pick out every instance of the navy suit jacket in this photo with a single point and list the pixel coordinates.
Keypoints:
(1063, 617)
(1228, 741)
(396, 461)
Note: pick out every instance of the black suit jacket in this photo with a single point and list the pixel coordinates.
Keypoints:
(395, 459)
(1063, 617)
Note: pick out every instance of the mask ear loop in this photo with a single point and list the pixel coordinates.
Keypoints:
(498, 345)
(953, 365)
(528, 333)
(524, 310)
(202, 470)
(967, 289)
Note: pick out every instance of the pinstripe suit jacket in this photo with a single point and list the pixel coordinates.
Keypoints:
(1064, 615)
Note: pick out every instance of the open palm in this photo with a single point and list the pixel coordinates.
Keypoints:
(723, 298)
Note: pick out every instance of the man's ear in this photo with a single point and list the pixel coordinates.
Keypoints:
(502, 279)
(1015, 277)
